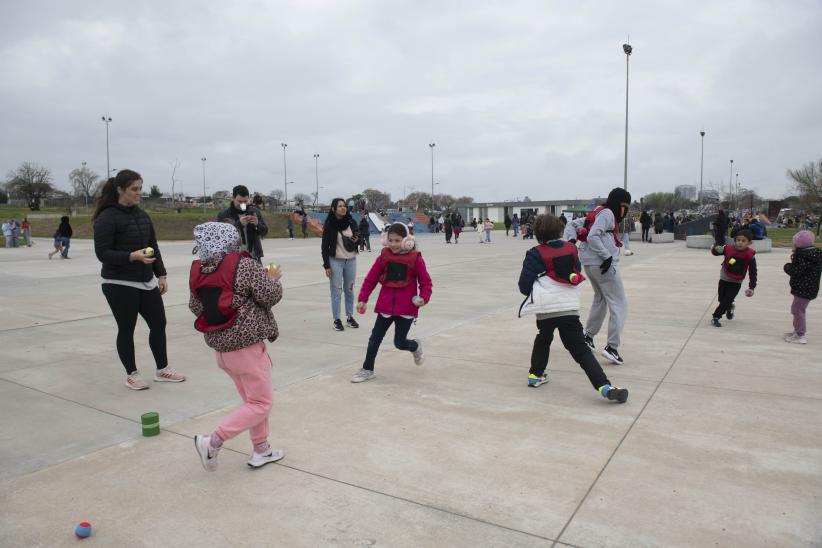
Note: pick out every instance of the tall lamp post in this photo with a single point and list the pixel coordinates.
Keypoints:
(731, 184)
(628, 50)
(285, 174)
(701, 164)
(107, 120)
(204, 185)
(85, 188)
(431, 146)
(317, 179)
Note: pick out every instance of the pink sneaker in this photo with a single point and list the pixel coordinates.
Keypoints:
(168, 375)
(136, 382)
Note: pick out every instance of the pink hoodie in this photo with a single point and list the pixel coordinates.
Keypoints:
(396, 301)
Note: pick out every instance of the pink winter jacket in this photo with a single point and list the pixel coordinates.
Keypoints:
(396, 301)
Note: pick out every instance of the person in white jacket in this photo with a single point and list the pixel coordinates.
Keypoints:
(599, 254)
(550, 281)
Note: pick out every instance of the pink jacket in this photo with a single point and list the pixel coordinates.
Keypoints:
(396, 301)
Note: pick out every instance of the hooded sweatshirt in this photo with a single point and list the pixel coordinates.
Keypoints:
(600, 244)
(254, 291)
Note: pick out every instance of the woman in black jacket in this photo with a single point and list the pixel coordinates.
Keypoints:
(134, 277)
(339, 252)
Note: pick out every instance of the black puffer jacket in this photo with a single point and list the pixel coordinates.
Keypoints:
(118, 231)
(805, 270)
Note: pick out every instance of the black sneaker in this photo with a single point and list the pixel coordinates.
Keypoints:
(612, 354)
(352, 323)
(715, 322)
(617, 394)
(338, 326)
(589, 340)
(730, 313)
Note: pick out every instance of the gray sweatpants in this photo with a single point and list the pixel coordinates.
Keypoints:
(609, 295)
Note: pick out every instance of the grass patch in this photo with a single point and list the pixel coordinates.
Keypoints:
(783, 237)
(168, 224)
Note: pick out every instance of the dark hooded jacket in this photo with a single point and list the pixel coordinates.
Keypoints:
(805, 270)
(119, 230)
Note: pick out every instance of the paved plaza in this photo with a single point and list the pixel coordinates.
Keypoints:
(720, 443)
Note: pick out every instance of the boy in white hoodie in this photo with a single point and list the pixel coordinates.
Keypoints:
(550, 281)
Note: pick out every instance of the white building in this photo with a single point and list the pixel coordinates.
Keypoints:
(496, 211)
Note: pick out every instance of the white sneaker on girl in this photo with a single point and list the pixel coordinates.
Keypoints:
(258, 461)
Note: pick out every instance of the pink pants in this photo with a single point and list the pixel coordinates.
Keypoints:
(250, 369)
(798, 307)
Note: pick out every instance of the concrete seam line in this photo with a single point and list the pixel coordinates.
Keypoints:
(633, 423)
(382, 493)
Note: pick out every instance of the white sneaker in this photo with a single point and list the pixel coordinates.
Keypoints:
(418, 358)
(208, 455)
(363, 375)
(258, 461)
(628, 252)
(136, 382)
(796, 339)
(167, 374)
(789, 334)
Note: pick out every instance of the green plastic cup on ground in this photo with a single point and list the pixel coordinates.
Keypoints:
(151, 423)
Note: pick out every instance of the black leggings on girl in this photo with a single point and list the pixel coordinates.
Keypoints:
(126, 302)
(401, 328)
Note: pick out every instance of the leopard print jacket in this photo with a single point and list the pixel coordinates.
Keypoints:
(254, 295)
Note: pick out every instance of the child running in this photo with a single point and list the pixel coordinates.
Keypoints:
(738, 260)
(805, 269)
(232, 295)
(400, 269)
(550, 281)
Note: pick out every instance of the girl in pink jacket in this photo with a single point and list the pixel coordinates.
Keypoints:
(400, 270)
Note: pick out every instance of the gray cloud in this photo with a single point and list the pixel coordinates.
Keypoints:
(521, 98)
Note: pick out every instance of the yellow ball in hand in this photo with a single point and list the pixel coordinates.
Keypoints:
(149, 251)
(732, 261)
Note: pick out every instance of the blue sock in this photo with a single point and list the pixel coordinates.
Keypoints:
(604, 389)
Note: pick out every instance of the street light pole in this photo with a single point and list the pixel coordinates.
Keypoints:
(204, 185)
(85, 187)
(431, 146)
(731, 182)
(701, 164)
(285, 174)
(628, 50)
(317, 179)
(107, 120)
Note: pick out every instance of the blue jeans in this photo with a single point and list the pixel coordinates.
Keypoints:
(401, 328)
(343, 273)
(65, 242)
(487, 235)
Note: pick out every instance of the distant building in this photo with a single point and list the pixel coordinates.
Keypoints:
(686, 191)
(496, 211)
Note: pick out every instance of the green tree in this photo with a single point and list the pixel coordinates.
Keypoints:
(665, 201)
(155, 192)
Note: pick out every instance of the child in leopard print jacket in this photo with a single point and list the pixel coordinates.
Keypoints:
(232, 295)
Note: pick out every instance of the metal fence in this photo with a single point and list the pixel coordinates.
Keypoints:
(697, 227)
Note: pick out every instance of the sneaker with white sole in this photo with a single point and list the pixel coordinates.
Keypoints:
(363, 375)
(167, 374)
(589, 340)
(534, 381)
(628, 252)
(418, 359)
(208, 454)
(611, 353)
(796, 339)
(136, 382)
(258, 461)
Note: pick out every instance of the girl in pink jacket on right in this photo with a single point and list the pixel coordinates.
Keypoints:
(401, 271)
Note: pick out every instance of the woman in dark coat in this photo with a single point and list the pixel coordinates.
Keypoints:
(721, 225)
(339, 253)
(134, 278)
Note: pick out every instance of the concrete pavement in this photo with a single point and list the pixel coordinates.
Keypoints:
(719, 443)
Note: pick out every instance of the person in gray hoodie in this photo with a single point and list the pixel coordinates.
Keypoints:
(599, 255)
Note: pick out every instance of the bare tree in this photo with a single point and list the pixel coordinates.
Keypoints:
(301, 199)
(174, 165)
(32, 181)
(276, 196)
(84, 182)
(808, 182)
(376, 199)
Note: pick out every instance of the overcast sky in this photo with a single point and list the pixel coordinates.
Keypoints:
(521, 98)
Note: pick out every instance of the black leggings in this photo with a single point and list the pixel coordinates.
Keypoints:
(570, 332)
(646, 233)
(126, 302)
(401, 328)
(727, 293)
